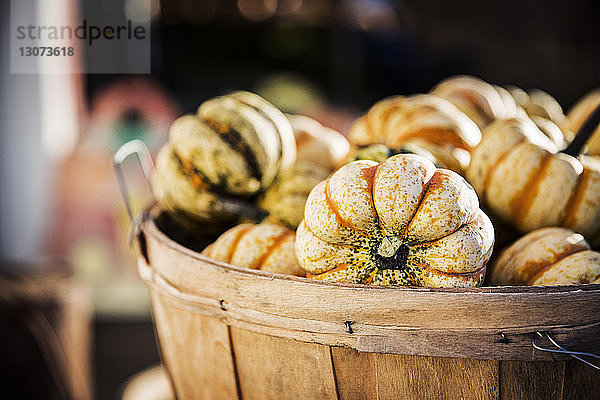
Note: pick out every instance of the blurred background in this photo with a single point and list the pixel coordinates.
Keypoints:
(62, 220)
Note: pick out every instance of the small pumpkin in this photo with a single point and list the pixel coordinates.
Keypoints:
(285, 199)
(547, 256)
(538, 103)
(266, 247)
(231, 149)
(481, 101)
(581, 111)
(425, 120)
(401, 222)
(318, 144)
(520, 176)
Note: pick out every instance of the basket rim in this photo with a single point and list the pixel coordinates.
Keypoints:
(148, 226)
(484, 323)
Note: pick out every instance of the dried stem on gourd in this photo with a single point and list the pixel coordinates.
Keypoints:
(585, 132)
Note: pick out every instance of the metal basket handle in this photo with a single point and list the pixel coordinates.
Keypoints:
(144, 158)
(578, 355)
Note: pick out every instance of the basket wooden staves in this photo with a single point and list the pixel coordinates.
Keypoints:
(233, 333)
(228, 332)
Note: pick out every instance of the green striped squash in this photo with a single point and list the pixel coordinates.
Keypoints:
(219, 158)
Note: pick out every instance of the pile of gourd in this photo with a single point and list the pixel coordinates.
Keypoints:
(403, 205)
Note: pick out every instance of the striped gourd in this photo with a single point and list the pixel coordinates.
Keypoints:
(580, 112)
(231, 149)
(284, 200)
(482, 102)
(520, 176)
(266, 247)
(401, 222)
(318, 144)
(547, 256)
(426, 120)
(538, 103)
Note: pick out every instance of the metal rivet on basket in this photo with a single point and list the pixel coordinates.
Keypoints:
(504, 338)
(349, 326)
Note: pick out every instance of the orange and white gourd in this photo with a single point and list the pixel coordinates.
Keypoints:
(401, 222)
(580, 112)
(265, 247)
(482, 102)
(428, 121)
(520, 176)
(552, 131)
(545, 112)
(318, 144)
(547, 256)
(537, 102)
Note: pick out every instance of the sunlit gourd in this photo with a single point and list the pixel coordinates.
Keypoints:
(547, 256)
(520, 176)
(545, 112)
(401, 222)
(551, 130)
(580, 112)
(430, 122)
(481, 101)
(537, 102)
(231, 149)
(285, 199)
(318, 144)
(265, 247)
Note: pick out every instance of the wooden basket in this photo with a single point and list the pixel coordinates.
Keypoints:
(228, 333)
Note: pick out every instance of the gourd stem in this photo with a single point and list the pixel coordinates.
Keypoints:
(584, 134)
(397, 261)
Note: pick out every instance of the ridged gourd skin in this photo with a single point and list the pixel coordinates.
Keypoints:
(538, 103)
(189, 201)
(266, 247)
(429, 121)
(519, 175)
(552, 131)
(284, 200)
(319, 150)
(401, 222)
(580, 113)
(233, 148)
(547, 256)
(481, 101)
(545, 112)
(318, 144)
